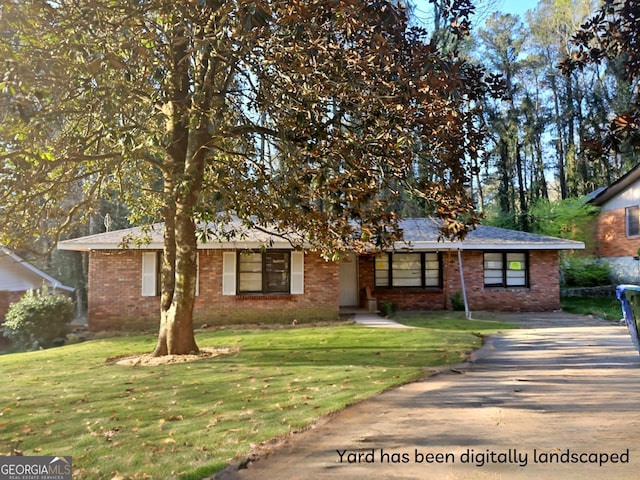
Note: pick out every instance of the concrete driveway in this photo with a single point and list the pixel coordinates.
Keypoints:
(551, 400)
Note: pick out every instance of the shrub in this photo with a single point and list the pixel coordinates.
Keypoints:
(457, 301)
(38, 319)
(388, 308)
(585, 272)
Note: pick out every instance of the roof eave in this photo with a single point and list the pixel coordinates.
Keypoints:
(45, 276)
(87, 247)
(616, 187)
(488, 246)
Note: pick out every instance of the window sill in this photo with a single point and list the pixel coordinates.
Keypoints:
(508, 287)
(408, 289)
(263, 296)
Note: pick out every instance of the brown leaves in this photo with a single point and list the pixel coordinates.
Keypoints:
(391, 106)
(101, 431)
(311, 115)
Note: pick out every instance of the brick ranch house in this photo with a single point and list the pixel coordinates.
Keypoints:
(618, 226)
(17, 276)
(260, 278)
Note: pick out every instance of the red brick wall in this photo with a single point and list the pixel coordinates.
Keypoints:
(115, 299)
(405, 298)
(114, 293)
(543, 293)
(612, 235)
(319, 301)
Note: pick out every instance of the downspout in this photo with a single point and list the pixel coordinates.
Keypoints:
(467, 313)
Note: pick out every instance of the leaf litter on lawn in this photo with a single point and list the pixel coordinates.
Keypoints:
(148, 359)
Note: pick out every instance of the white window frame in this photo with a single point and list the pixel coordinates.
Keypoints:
(388, 271)
(632, 221)
(230, 265)
(500, 268)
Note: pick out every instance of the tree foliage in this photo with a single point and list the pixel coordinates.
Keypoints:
(563, 132)
(297, 116)
(571, 218)
(611, 35)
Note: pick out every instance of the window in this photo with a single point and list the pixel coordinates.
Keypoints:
(383, 273)
(267, 272)
(506, 269)
(250, 272)
(151, 274)
(632, 215)
(408, 270)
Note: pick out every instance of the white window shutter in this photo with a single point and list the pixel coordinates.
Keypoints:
(149, 269)
(228, 273)
(297, 273)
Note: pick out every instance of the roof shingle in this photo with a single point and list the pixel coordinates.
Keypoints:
(419, 233)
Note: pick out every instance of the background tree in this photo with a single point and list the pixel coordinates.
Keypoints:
(543, 129)
(502, 40)
(611, 37)
(571, 218)
(192, 111)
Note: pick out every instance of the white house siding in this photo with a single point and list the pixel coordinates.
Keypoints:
(629, 197)
(15, 277)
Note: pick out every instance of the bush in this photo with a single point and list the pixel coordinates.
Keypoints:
(38, 319)
(457, 301)
(585, 272)
(388, 308)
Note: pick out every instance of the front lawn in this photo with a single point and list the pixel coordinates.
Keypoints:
(190, 420)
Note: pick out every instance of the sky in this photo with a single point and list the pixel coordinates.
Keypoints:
(516, 7)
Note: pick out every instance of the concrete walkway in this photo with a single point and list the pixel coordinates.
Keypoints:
(554, 403)
(373, 320)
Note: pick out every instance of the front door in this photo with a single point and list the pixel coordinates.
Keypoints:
(349, 295)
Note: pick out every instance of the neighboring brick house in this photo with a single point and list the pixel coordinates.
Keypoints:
(17, 276)
(262, 279)
(619, 226)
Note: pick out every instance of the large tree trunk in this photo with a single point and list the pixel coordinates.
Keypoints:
(180, 263)
(168, 270)
(522, 197)
(179, 277)
(176, 335)
(182, 177)
(180, 255)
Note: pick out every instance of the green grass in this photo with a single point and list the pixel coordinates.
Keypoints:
(450, 321)
(607, 308)
(190, 420)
